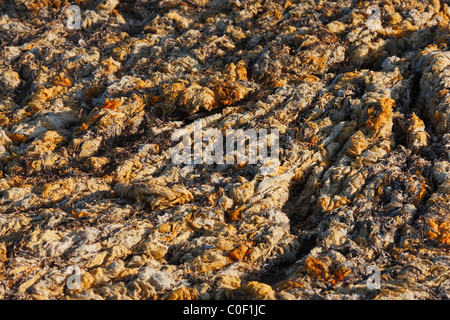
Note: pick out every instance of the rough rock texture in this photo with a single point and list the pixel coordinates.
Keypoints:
(87, 182)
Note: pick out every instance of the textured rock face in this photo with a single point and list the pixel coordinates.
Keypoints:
(92, 206)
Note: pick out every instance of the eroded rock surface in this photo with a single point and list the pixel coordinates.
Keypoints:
(88, 185)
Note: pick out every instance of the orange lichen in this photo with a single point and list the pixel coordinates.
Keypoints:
(287, 4)
(111, 104)
(234, 215)
(318, 62)
(229, 93)
(240, 251)
(380, 115)
(183, 294)
(62, 81)
(82, 127)
(278, 83)
(213, 197)
(37, 5)
(315, 267)
(313, 140)
(327, 204)
(18, 138)
(80, 214)
(277, 14)
(439, 230)
(339, 275)
(241, 72)
(421, 193)
(443, 93)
